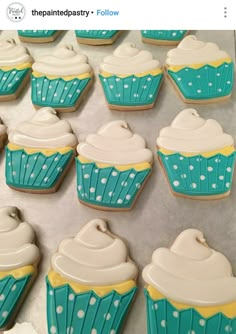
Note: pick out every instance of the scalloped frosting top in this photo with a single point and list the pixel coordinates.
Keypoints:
(94, 257)
(191, 272)
(127, 59)
(192, 51)
(3, 128)
(12, 54)
(191, 133)
(16, 241)
(115, 144)
(64, 61)
(44, 130)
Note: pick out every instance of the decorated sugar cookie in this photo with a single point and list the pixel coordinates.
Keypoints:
(15, 68)
(38, 36)
(197, 156)
(163, 37)
(112, 167)
(61, 79)
(200, 71)
(39, 153)
(91, 284)
(131, 78)
(97, 37)
(190, 288)
(19, 257)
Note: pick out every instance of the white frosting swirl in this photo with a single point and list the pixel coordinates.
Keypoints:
(16, 241)
(127, 59)
(12, 54)
(44, 130)
(191, 272)
(192, 51)
(115, 144)
(94, 257)
(3, 128)
(191, 133)
(64, 60)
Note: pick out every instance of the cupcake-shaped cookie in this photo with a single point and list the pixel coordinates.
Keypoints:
(91, 284)
(15, 68)
(61, 79)
(131, 78)
(190, 289)
(197, 156)
(163, 37)
(38, 36)
(3, 135)
(97, 37)
(200, 71)
(112, 167)
(39, 153)
(19, 258)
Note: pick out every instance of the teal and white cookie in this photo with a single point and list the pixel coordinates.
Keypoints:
(163, 37)
(61, 79)
(200, 71)
(97, 37)
(38, 36)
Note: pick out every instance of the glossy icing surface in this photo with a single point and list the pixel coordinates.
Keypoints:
(96, 34)
(192, 272)
(191, 133)
(114, 143)
(164, 35)
(44, 130)
(64, 61)
(94, 257)
(127, 59)
(16, 241)
(192, 51)
(12, 54)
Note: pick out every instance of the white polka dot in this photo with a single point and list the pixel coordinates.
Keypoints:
(62, 101)
(79, 187)
(179, 79)
(92, 190)
(128, 197)
(13, 287)
(114, 173)
(112, 331)
(126, 86)
(199, 91)
(107, 316)
(181, 158)
(86, 176)
(55, 94)
(183, 176)
(110, 194)
(9, 85)
(51, 293)
(99, 198)
(43, 98)
(69, 330)
(104, 180)
(70, 95)
(32, 175)
(2, 297)
(124, 184)
(176, 183)
(191, 167)
(14, 173)
(59, 169)
(134, 79)
(217, 160)
(56, 159)
(175, 314)
(120, 201)
(193, 185)
(218, 74)
(166, 158)
(149, 79)
(136, 95)
(202, 177)
(214, 185)
(202, 322)
(210, 84)
(190, 83)
(227, 185)
(53, 330)
(92, 301)
(221, 177)
(71, 297)
(4, 78)
(75, 83)
(45, 167)
(117, 79)
(229, 169)
(144, 87)
(80, 314)
(39, 92)
(59, 309)
(94, 331)
(191, 332)
(155, 306)
(219, 90)
(132, 175)
(111, 86)
(175, 167)
(23, 156)
(116, 303)
(210, 169)
(138, 185)
(163, 323)
(150, 95)
(117, 95)
(78, 91)
(228, 82)
(228, 328)
(198, 76)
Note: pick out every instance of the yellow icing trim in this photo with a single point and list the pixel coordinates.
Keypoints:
(18, 273)
(57, 280)
(216, 63)
(224, 151)
(16, 67)
(143, 74)
(46, 151)
(229, 310)
(66, 78)
(137, 167)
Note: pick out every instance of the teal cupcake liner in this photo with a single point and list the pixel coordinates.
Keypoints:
(11, 80)
(11, 291)
(165, 35)
(96, 34)
(56, 93)
(86, 313)
(35, 171)
(207, 82)
(198, 175)
(131, 90)
(164, 318)
(108, 187)
(37, 33)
